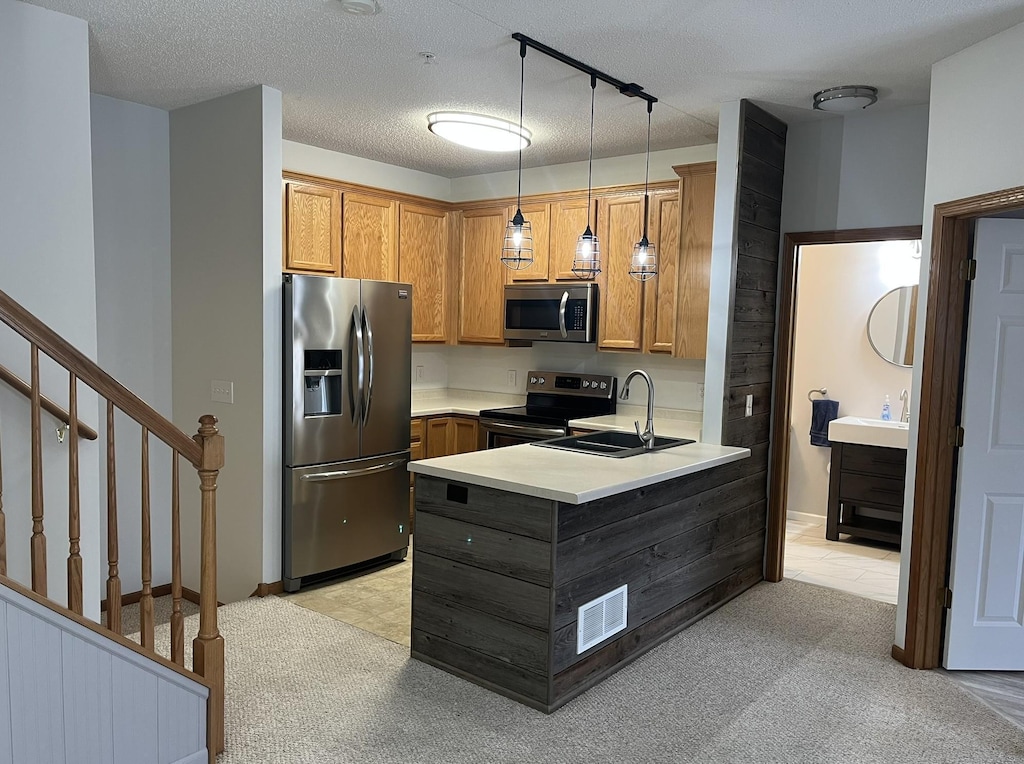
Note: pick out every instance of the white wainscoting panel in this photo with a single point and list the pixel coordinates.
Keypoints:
(70, 696)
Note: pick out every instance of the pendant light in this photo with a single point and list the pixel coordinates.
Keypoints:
(587, 262)
(644, 263)
(517, 251)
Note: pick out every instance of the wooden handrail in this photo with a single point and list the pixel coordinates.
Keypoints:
(61, 351)
(23, 387)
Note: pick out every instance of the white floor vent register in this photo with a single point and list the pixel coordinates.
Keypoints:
(600, 618)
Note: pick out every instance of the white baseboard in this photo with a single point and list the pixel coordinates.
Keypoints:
(805, 517)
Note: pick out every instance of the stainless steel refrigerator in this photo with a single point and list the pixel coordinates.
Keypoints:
(347, 398)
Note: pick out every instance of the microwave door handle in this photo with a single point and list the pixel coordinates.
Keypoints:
(561, 314)
(369, 376)
(318, 477)
(356, 383)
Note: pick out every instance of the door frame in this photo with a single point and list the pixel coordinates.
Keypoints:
(782, 389)
(939, 405)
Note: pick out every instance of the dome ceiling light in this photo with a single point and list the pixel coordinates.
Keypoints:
(845, 98)
(477, 131)
(360, 7)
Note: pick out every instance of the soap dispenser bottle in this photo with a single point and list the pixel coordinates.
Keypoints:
(886, 410)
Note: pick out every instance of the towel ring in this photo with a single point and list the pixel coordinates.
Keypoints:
(823, 392)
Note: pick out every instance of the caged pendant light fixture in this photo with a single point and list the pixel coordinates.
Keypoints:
(587, 262)
(517, 251)
(644, 263)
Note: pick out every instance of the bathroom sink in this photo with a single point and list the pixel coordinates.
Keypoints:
(869, 432)
(610, 443)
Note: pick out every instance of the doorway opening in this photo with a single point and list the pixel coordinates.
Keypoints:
(846, 346)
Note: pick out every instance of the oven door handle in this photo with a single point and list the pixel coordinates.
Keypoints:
(561, 314)
(517, 429)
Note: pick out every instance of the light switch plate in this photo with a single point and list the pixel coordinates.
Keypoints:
(222, 391)
(511, 380)
(419, 373)
(750, 406)
(700, 393)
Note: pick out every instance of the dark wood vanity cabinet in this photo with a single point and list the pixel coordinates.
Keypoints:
(865, 495)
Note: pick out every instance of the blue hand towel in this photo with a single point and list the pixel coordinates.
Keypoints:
(822, 412)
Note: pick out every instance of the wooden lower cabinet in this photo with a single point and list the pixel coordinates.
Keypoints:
(416, 446)
(439, 436)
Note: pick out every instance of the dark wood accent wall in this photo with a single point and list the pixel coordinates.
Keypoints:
(751, 350)
(498, 578)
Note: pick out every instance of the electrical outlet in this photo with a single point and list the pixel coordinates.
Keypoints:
(222, 391)
(511, 379)
(700, 393)
(419, 373)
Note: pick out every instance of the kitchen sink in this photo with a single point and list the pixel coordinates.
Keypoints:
(609, 443)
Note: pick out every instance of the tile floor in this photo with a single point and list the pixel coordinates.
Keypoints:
(378, 600)
(865, 568)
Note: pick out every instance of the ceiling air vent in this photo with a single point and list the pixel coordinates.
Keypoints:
(600, 618)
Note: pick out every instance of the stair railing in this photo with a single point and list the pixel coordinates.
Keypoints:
(204, 451)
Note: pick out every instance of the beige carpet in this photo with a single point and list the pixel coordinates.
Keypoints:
(786, 673)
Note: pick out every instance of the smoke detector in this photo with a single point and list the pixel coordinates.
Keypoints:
(360, 7)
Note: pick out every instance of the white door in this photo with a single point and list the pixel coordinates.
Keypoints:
(985, 625)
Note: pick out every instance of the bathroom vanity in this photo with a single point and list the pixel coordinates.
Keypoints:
(867, 479)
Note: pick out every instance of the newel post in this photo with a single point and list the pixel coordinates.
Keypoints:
(208, 646)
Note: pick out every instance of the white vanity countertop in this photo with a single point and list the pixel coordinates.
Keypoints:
(672, 423)
(571, 477)
(465, 402)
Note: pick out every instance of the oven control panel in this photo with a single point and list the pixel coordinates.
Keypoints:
(590, 385)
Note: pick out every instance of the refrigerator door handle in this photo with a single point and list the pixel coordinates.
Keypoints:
(369, 380)
(318, 477)
(356, 387)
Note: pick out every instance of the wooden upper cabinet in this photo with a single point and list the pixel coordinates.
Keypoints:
(312, 229)
(621, 313)
(660, 291)
(568, 221)
(482, 282)
(369, 237)
(697, 218)
(539, 217)
(422, 262)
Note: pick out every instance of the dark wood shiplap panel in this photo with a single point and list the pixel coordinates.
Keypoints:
(755, 241)
(522, 515)
(761, 142)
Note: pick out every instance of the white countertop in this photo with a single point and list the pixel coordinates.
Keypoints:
(672, 423)
(465, 402)
(572, 477)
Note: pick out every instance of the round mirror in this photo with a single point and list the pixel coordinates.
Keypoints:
(891, 326)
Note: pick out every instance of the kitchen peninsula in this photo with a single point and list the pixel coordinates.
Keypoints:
(512, 544)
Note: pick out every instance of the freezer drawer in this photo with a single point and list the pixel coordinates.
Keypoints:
(344, 513)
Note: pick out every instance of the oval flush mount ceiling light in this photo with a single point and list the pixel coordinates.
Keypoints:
(360, 7)
(478, 131)
(845, 98)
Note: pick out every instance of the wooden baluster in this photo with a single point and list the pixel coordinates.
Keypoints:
(146, 603)
(177, 618)
(208, 646)
(113, 578)
(38, 537)
(3, 522)
(74, 519)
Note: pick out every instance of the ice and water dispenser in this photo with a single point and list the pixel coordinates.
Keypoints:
(323, 377)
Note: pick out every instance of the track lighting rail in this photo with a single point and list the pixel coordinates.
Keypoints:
(630, 89)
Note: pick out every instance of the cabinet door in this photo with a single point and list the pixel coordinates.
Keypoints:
(369, 237)
(312, 229)
(482, 282)
(465, 435)
(568, 220)
(422, 262)
(697, 199)
(437, 440)
(660, 292)
(539, 217)
(621, 311)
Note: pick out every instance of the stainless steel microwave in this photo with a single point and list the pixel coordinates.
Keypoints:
(552, 312)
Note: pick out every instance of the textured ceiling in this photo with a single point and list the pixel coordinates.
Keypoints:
(357, 84)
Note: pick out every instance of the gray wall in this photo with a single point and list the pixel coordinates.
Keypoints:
(70, 694)
(863, 170)
(132, 218)
(225, 308)
(46, 263)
